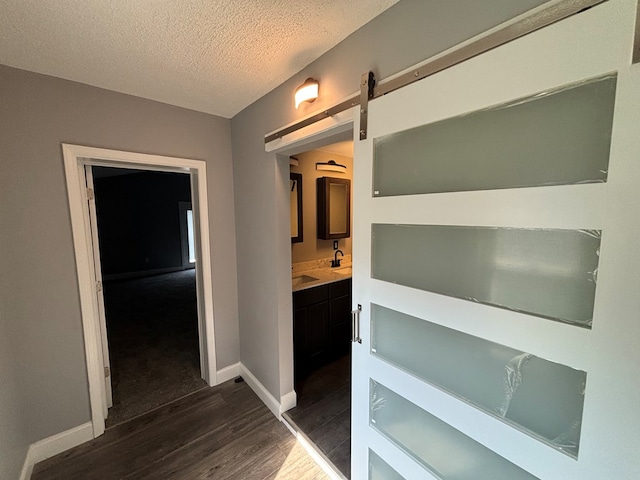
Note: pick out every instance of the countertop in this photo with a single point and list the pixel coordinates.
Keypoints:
(301, 280)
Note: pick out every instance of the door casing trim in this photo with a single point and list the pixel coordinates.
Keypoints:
(330, 130)
(76, 157)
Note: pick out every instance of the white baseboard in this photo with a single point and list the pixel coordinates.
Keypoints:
(54, 445)
(261, 391)
(228, 373)
(287, 402)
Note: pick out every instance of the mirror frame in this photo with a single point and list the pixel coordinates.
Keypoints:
(324, 207)
(297, 177)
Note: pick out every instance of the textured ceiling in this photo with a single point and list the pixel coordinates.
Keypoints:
(213, 56)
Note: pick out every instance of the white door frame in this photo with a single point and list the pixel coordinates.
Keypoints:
(327, 131)
(100, 312)
(76, 157)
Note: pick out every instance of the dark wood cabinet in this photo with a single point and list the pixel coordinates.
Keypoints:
(333, 208)
(321, 325)
(339, 318)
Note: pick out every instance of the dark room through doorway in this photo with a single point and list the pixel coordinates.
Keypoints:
(147, 260)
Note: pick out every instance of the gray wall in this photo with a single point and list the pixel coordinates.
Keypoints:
(39, 302)
(407, 33)
(13, 440)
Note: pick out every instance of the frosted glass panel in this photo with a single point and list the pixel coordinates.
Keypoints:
(553, 138)
(380, 470)
(548, 273)
(441, 448)
(543, 398)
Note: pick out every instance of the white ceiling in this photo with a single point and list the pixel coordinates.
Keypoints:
(212, 56)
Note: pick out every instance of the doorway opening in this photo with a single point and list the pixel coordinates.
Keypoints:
(321, 253)
(147, 261)
(79, 161)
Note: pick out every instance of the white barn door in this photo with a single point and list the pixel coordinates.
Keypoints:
(497, 264)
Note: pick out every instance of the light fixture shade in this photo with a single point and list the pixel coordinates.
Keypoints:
(331, 166)
(307, 92)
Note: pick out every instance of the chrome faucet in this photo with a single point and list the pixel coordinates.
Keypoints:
(336, 261)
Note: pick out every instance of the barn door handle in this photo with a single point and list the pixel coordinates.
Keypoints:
(355, 325)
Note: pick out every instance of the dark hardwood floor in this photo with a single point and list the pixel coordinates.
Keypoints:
(152, 325)
(323, 413)
(223, 432)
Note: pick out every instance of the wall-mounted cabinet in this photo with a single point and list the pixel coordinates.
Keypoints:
(334, 208)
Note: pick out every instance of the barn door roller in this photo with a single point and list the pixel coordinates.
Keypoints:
(367, 83)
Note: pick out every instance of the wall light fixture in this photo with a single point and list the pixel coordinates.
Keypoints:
(331, 166)
(307, 92)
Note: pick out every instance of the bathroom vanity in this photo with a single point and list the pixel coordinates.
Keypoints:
(321, 320)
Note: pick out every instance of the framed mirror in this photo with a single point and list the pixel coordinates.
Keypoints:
(334, 208)
(295, 187)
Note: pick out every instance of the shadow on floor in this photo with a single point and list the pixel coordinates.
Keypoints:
(323, 412)
(152, 329)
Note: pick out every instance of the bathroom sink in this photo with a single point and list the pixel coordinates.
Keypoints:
(343, 271)
(302, 279)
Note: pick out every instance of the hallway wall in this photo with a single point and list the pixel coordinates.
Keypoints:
(39, 303)
(13, 440)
